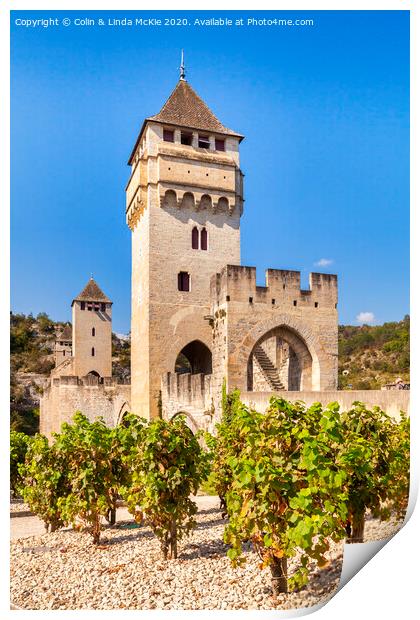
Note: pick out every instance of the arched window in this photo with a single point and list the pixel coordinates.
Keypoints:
(93, 331)
(93, 351)
(204, 239)
(194, 238)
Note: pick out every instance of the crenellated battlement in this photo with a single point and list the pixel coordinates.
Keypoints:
(283, 286)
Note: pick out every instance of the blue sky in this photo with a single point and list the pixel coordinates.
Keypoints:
(325, 112)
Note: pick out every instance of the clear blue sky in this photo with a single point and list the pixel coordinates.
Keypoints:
(325, 112)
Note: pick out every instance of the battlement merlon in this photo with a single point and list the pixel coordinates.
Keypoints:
(238, 283)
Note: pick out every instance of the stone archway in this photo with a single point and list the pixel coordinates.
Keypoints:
(191, 423)
(279, 360)
(123, 410)
(297, 335)
(194, 358)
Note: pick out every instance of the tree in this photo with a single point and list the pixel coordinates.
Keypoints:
(19, 443)
(375, 455)
(166, 467)
(286, 490)
(85, 447)
(44, 481)
(124, 439)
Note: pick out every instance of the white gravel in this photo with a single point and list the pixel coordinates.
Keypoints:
(64, 570)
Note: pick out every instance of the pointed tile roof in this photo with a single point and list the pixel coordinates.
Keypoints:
(66, 334)
(92, 292)
(185, 108)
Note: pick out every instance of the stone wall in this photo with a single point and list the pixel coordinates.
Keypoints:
(67, 394)
(190, 395)
(391, 401)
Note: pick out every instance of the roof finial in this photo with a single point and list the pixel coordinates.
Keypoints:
(182, 67)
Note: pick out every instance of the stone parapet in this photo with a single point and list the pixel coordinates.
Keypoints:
(392, 402)
(238, 283)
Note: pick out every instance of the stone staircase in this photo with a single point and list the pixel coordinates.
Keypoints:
(268, 369)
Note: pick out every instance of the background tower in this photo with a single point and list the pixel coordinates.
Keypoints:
(62, 347)
(92, 332)
(184, 203)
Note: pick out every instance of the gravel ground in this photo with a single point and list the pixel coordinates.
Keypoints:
(377, 530)
(18, 506)
(64, 570)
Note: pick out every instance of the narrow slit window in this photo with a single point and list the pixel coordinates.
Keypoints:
(203, 142)
(103, 307)
(82, 305)
(93, 351)
(93, 331)
(219, 144)
(186, 138)
(316, 304)
(251, 300)
(64, 352)
(204, 239)
(295, 302)
(183, 281)
(169, 135)
(194, 238)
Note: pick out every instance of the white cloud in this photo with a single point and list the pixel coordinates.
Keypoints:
(324, 262)
(365, 317)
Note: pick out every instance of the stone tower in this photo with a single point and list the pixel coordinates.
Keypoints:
(62, 348)
(184, 203)
(92, 332)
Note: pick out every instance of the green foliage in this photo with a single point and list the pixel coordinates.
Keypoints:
(375, 456)
(374, 355)
(297, 477)
(165, 467)
(226, 443)
(285, 489)
(44, 481)
(85, 447)
(399, 474)
(18, 447)
(24, 421)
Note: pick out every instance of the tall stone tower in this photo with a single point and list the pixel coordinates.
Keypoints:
(184, 203)
(92, 332)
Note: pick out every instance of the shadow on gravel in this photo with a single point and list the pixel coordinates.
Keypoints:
(322, 578)
(212, 523)
(23, 513)
(135, 535)
(208, 511)
(208, 549)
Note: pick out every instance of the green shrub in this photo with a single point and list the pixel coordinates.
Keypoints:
(166, 466)
(44, 481)
(85, 448)
(286, 490)
(18, 447)
(375, 456)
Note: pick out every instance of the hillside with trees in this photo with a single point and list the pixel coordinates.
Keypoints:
(369, 357)
(372, 356)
